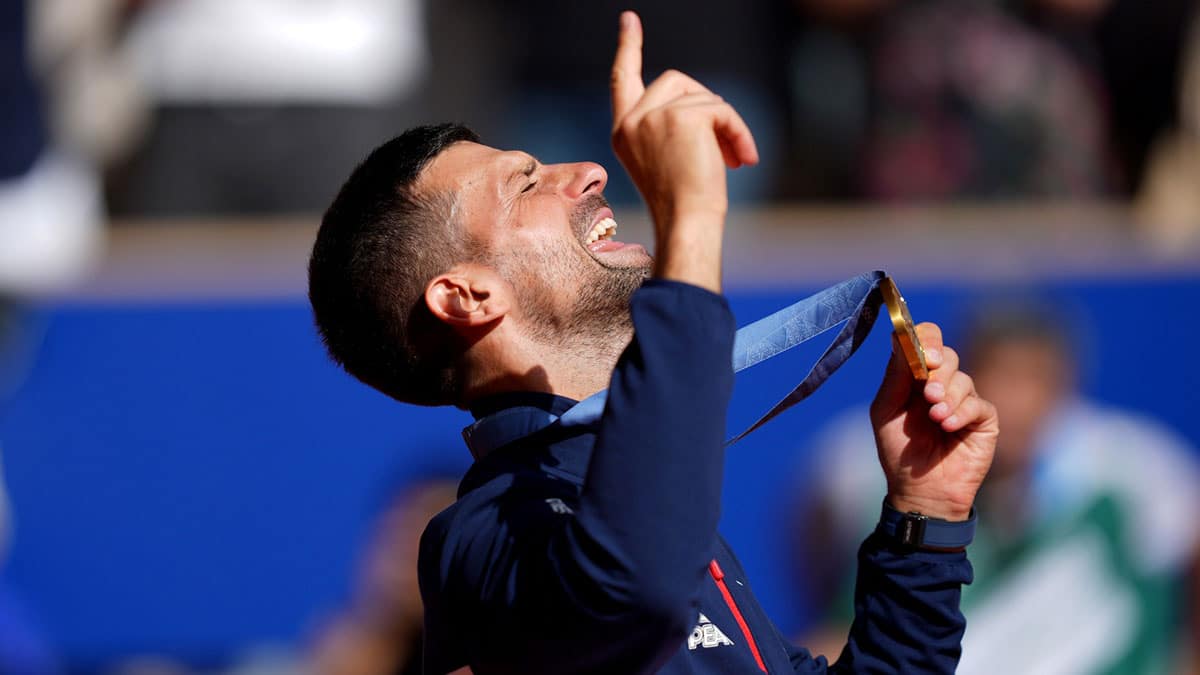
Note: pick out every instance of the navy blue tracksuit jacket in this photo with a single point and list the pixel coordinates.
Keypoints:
(595, 550)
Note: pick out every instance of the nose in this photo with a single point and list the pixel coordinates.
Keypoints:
(583, 178)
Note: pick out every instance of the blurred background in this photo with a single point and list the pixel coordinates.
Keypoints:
(189, 486)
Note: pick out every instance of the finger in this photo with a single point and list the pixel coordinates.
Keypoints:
(727, 153)
(974, 412)
(930, 335)
(667, 88)
(626, 79)
(733, 135)
(897, 385)
(958, 389)
(940, 377)
(734, 131)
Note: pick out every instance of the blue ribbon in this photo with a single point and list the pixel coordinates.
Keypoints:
(855, 302)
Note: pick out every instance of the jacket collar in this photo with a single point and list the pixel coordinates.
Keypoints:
(535, 399)
(533, 444)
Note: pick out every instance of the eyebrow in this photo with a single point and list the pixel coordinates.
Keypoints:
(526, 169)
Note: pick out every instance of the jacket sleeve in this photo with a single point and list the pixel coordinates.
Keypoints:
(906, 610)
(611, 583)
(906, 614)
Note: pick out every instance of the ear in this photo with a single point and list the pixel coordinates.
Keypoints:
(468, 296)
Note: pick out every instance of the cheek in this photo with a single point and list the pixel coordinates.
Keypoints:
(547, 275)
(555, 257)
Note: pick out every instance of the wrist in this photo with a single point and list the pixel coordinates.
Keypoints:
(687, 214)
(934, 508)
(687, 220)
(688, 249)
(914, 531)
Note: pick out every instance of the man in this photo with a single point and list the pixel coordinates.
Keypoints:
(447, 272)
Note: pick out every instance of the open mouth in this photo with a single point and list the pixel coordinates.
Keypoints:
(599, 239)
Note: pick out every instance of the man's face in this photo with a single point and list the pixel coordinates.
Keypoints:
(545, 229)
(1026, 379)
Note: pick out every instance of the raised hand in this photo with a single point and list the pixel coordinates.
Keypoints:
(936, 440)
(676, 138)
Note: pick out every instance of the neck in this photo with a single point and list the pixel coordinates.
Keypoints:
(575, 370)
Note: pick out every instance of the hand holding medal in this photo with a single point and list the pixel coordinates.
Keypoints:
(906, 332)
(935, 435)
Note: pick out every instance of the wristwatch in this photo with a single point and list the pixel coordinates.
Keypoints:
(917, 531)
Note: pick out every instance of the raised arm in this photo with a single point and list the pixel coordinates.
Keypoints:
(935, 442)
(676, 138)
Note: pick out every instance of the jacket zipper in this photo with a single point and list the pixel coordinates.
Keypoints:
(719, 578)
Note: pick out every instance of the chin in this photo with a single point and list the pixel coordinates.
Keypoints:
(629, 256)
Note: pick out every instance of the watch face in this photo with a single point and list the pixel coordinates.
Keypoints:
(906, 332)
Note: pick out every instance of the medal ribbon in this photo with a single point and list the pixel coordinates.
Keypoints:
(854, 302)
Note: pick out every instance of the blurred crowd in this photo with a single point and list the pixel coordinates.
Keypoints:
(171, 109)
(202, 107)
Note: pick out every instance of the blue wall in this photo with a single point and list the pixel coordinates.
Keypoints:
(188, 479)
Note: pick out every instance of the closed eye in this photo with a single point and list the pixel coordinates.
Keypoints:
(529, 187)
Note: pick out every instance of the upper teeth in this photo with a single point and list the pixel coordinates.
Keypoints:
(603, 228)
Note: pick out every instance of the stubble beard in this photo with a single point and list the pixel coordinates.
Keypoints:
(597, 324)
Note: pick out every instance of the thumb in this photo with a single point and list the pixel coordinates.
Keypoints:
(897, 386)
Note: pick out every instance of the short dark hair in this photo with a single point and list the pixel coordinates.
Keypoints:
(380, 243)
(1017, 320)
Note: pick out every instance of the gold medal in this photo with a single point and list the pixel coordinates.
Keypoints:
(906, 332)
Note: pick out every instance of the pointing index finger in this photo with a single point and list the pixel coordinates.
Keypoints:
(626, 81)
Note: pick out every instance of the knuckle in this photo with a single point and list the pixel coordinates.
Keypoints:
(672, 74)
(973, 410)
(658, 118)
(679, 117)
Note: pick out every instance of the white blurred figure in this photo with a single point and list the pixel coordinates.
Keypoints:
(1087, 529)
(50, 225)
(279, 51)
(70, 106)
(265, 106)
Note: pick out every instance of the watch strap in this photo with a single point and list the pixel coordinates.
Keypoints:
(918, 531)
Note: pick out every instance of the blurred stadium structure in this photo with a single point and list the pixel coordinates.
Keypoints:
(191, 481)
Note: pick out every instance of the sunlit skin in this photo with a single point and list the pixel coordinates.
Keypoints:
(510, 201)
(543, 309)
(542, 312)
(936, 441)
